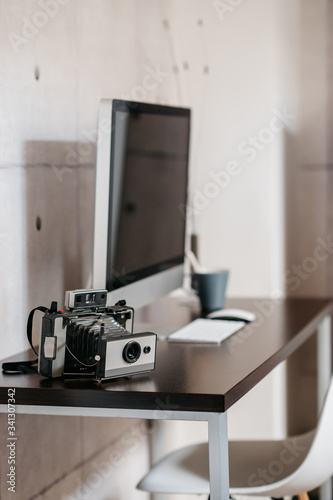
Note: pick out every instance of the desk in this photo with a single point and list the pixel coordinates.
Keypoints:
(191, 382)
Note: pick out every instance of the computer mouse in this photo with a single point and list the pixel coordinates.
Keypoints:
(232, 314)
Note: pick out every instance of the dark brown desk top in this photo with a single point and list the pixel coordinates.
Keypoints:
(188, 377)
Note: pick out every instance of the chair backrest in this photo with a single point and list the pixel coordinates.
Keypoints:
(317, 467)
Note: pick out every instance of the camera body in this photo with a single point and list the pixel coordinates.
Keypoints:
(91, 338)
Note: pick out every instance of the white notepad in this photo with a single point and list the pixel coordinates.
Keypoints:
(206, 331)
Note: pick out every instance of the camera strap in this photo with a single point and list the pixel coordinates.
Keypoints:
(29, 325)
(17, 367)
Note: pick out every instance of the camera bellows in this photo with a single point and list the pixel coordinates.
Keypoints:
(83, 336)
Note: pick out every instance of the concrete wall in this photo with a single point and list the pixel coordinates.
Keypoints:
(57, 64)
(255, 75)
(75, 458)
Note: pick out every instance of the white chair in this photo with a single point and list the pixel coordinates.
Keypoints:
(292, 466)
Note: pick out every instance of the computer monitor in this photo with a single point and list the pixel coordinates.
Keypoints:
(141, 195)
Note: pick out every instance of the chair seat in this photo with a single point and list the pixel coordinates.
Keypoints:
(253, 464)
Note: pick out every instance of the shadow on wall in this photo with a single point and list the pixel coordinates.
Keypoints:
(302, 365)
(60, 194)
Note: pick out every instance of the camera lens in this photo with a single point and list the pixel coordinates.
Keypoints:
(132, 352)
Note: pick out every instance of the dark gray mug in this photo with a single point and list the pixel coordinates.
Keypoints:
(211, 288)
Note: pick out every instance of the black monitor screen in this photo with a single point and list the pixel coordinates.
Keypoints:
(149, 172)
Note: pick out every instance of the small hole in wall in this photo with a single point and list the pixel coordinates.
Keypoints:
(38, 223)
(37, 73)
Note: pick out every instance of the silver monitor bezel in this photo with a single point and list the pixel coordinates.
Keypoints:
(144, 291)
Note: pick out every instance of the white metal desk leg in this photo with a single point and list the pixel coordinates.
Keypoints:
(218, 457)
(324, 363)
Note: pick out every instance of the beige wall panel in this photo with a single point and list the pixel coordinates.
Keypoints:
(46, 449)
(308, 275)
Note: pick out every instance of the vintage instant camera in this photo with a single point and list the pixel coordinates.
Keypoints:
(91, 338)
